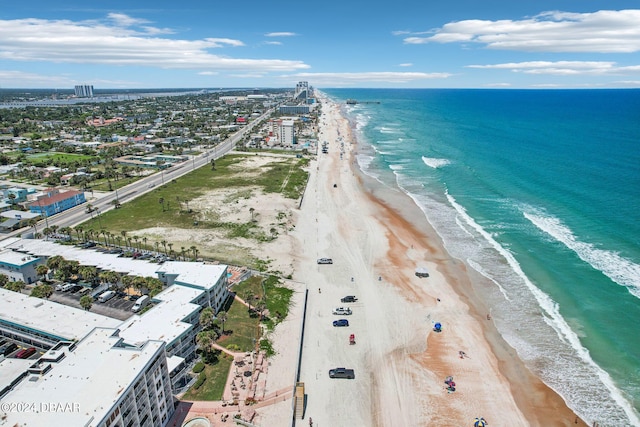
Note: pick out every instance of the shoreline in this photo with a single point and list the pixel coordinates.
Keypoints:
(406, 228)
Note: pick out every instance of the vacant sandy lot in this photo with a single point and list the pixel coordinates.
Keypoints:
(273, 214)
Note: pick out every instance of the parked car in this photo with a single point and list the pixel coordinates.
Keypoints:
(342, 373)
(341, 310)
(106, 296)
(325, 261)
(25, 353)
(140, 303)
(349, 298)
(64, 287)
(341, 322)
(8, 348)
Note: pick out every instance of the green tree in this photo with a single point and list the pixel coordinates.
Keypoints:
(86, 302)
(222, 317)
(42, 271)
(16, 286)
(4, 279)
(89, 273)
(206, 318)
(42, 291)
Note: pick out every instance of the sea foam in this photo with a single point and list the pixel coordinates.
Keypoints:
(434, 162)
(622, 271)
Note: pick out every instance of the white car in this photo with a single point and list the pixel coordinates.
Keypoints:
(342, 311)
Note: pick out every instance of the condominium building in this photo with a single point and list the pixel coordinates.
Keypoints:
(174, 319)
(84, 91)
(19, 266)
(100, 381)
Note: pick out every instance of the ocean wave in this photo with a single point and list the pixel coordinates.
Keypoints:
(434, 162)
(557, 322)
(619, 269)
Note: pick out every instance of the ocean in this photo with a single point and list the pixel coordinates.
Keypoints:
(539, 192)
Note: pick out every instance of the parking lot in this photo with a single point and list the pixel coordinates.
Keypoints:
(118, 307)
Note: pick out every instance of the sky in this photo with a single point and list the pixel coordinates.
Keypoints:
(328, 43)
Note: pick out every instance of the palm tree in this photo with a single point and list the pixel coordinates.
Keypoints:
(195, 252)
(42, 270)
(78, 229)
(55, 262)
(204, 341)
(251, 211)
(144, 240)
(33, 223)
(157, 244)
(164, 244)
(249, 297)
(222, 317)
(170, 247)
(124, 235)
(261, 305)
(206, 318)
(127, 282)
(135, 238)
(88, 273)
(104, 234)
(182, 250)
(16, 286)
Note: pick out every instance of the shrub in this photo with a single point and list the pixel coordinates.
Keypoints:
(199, 367)
(201, 379)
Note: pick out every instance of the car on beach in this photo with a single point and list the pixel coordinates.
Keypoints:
(325, 261)
(349, 298)
(342, 373)
(341, 322)
(341, 310)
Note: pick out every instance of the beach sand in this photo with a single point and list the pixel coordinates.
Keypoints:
(378, 236)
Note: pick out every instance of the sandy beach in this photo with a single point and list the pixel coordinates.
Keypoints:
(377, 236)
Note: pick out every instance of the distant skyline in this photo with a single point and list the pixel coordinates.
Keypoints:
(331, 44)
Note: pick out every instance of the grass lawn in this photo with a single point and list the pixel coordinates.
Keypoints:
(241, 328)
(278, 297)
(213, 387)
(61, 158)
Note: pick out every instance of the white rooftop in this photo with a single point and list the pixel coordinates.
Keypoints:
(49, 317)
(7, 256)
(11, 369)
(164, 321)
(89, 256)
(94, 368)
(19, 214)
(199, 274)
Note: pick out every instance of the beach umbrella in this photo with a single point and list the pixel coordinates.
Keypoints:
(480, 422)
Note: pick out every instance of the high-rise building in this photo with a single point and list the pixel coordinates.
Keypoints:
(84, 91)
(302, 91)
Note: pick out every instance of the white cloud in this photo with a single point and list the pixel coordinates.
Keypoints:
(497, 85)
(280, 34)
(21, 79)
(91, 42)
(367, 77)
(405, 64)
(274, 43)
(208, 73)
(564, 68)
(601, 31)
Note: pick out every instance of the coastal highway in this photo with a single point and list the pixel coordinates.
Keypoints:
(105, 202)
